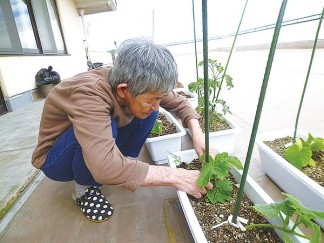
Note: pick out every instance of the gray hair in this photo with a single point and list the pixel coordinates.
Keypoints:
(144, 66)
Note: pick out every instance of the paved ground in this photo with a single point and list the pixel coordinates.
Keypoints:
(18, 132)
(153, 214)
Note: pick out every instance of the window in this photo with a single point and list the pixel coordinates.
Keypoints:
(30, 27)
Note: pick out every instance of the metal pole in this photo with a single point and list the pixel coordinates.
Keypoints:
(206, 98)
(307, 76)
(259, 109)
(86, 43)
(231, 51)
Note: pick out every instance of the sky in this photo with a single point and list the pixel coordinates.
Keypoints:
(169, 21)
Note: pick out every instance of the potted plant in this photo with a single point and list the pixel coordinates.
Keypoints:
(161, 144)
(287, 208)
(283, 162)
(288, 177)
(200, 229)
(222, 128)
(191, 97)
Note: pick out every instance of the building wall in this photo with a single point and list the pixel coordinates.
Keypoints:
(17, 73)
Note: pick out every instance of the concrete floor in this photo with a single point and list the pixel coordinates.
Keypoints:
(151, 214)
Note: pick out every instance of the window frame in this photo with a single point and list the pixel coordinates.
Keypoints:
(11, 25)
(15, 41)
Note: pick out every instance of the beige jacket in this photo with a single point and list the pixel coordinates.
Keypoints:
(86, 102)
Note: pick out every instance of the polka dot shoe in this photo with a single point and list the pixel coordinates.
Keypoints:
(94, 205)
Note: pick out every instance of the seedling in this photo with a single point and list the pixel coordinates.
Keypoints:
(157, 129)
(176, 159)
(217, 169)
(214, 86)
(287, 208)
(300, 153)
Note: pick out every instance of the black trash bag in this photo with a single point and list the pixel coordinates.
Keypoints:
(95, 65)
(47, 76)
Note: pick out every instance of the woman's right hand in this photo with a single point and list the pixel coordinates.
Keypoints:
(182, 179)
(187, 182)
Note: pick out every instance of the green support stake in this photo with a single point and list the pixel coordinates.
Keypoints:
(206, 98)
(307, 75)
(232, 48)
(259, 109)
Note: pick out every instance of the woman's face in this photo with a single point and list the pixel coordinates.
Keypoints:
(144, 104)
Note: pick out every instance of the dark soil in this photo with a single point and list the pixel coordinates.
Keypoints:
(316, 173)
(167, 127)
(184, 94)
(209, 215)
(217, 124)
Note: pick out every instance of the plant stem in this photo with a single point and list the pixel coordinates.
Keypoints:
(259, 109)
(232, 48)
(307, 76)
(278, 228)
(297, 222)
(205, 52)
(284, 221)
(214, 87)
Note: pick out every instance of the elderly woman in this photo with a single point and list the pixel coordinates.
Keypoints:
(95, 121)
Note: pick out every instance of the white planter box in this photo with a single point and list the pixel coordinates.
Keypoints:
(159, 147)
(194, 97)
(286, 176)
(223, 141)
(251, 189)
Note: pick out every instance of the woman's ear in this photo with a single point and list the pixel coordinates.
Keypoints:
(122, 90)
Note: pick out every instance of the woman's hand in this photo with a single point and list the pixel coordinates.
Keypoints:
(182, 179)
(187, 182)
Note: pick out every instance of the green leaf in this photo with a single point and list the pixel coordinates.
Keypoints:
(300, 144)
(268, 210)
(192, 87)
(286, 238)
(310, 138)
(221, 169)
(286, 207)
(302, 210)
(221, 192)
(298, 157)
(292, 206)
(304, 144)
(205, 174)
(318, 145)
(176, 158)
(203, 158)
(235, 162)
(215, 77)
(312, 163)
(316, 236)
(157, 129)
(217, 169)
